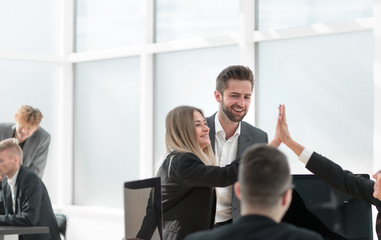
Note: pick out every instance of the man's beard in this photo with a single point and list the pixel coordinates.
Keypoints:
(230, 115)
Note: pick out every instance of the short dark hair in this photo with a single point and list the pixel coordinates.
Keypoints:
(264, 175)
(237, 72)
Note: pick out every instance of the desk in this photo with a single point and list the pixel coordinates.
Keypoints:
(12, 232)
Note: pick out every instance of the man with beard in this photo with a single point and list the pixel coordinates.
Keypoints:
(229, 135)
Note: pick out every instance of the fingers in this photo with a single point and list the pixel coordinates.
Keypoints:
(282, 112)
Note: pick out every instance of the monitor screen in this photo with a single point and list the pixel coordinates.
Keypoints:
(341, 213)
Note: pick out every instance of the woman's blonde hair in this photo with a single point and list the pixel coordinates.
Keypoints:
(180, 134)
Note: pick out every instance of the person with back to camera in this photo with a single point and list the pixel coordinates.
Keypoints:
(264, 188)
(33, 139)
(188, 177)
(332, 173)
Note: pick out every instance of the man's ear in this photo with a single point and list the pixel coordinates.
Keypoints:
(218, 96)
(286, 198)
(17, 160)
(237, 191)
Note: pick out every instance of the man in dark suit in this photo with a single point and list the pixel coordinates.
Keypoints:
(24, 200)
(265, 189)
(229, 135)
(33, 139)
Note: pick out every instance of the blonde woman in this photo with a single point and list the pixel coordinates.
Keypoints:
(189, 175)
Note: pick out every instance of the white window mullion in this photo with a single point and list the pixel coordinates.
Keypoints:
(146, 161)
(377, 85)
(65, 140)
(246, 46)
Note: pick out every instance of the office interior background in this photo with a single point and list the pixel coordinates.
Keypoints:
(105, 73)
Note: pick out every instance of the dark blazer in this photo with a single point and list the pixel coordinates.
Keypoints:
(188, 196)
(32, 205)
(36, 147)
(345, 181)
(249, 135)
(256, 227)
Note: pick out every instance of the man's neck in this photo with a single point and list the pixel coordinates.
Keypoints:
(229, 126)
(10, 175)
(274, 214)
(18, 138)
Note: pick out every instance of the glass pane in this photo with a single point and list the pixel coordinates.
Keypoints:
(179, 19)
(187, 78)
(107, 24)
(295, 13)
(327, 85)
(106, 133)
(30, 26)
(31, 83)
(35, 84)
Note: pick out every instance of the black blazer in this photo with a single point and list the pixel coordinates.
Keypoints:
(249, 135)
(256, 227)
(32, 205)
(188, 195)
(345, 181)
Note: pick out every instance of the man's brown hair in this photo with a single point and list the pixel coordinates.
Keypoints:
(28, 114)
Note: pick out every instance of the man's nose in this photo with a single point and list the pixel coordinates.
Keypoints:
(241, 101)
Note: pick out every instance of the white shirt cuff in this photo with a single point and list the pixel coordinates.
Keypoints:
(305, 156)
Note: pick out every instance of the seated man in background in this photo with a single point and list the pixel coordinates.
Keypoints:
(33, 139)
(24, 200)
(265, 191)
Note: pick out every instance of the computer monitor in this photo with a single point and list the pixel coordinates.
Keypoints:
(142, 203)
(341, 213)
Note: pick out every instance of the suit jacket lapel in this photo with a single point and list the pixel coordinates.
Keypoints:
(7, 196)
(244, 141)
(16, 188)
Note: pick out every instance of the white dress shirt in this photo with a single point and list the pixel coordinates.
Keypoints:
(305, 156)
(225, 153)
(12, 184)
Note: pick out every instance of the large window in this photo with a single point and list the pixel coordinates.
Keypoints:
(275, 14)
(326, 83)
(106, 73)
(108, 24)
(106, 130)
(30, 26)
(182, 19)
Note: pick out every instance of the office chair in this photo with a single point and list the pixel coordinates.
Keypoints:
(143, 209)
(62, 224)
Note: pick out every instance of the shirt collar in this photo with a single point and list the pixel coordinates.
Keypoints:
(218, 128)
(12, 181)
